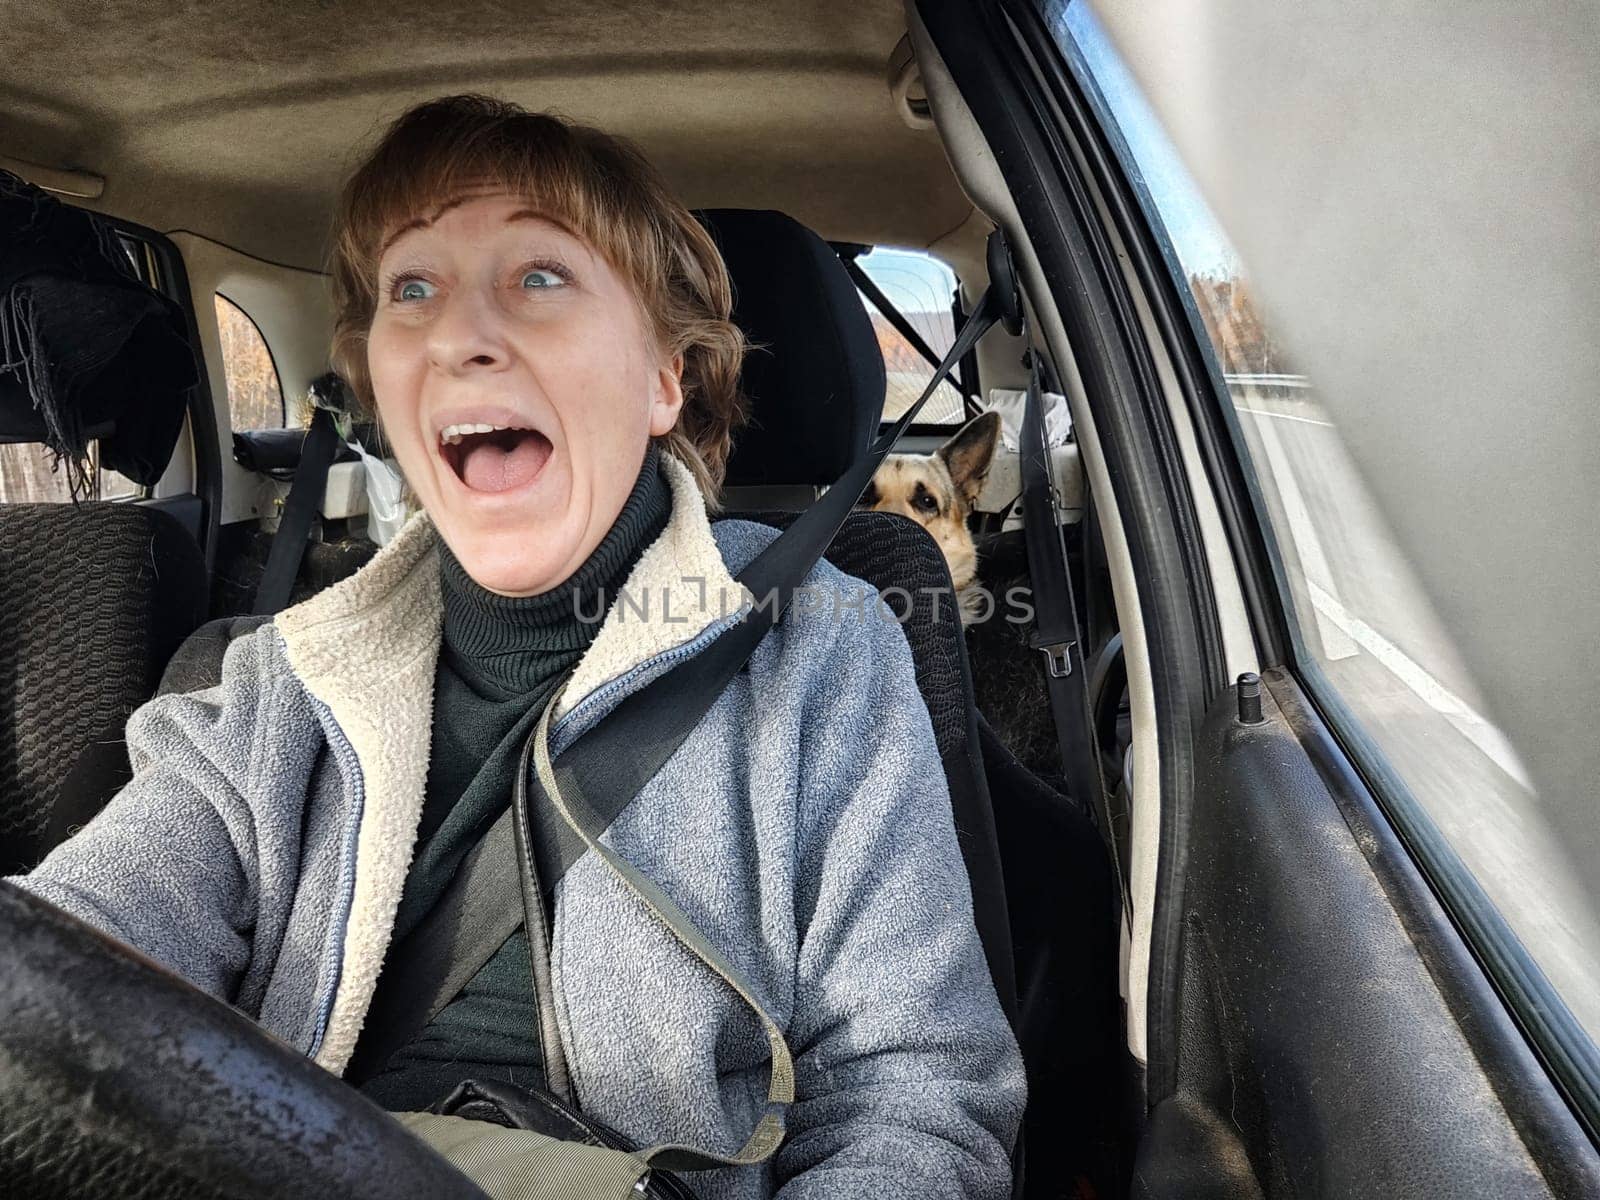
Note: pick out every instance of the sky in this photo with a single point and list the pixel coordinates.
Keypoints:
(1201, 245)
(914, 282)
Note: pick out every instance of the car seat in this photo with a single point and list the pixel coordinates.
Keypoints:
(96, 597)
(815, 389)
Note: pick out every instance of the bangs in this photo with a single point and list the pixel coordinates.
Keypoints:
(538, 159)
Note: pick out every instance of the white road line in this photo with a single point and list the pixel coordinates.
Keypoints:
(1261, 412)
(1307, 542)
(1476, 728)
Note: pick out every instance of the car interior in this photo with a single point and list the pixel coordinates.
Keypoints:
(1151, 811)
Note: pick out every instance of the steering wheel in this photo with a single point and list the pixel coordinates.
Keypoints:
(119, 1080)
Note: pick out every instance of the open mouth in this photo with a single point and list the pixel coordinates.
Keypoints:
(494, 458)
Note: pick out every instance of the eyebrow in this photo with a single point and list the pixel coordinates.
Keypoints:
(522, 214)
(420, 222)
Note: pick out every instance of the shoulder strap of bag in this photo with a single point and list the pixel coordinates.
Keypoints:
(611, 763)
(768, 1133)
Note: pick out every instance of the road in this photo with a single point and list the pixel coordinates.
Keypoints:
(1381, 646)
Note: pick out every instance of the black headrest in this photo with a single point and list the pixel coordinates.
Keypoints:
(814, 377)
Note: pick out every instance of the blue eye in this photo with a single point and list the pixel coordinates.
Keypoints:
(414, 289)
(541, 277)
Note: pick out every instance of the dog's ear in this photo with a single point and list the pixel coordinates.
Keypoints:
(968, 454)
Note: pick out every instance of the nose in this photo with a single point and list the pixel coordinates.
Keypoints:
(466, 335)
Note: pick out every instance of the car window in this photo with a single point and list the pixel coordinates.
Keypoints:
(1368, 641)
(923, 289)
(29, 475)
(255, 395)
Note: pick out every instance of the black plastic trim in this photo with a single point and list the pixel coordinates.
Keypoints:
(1561, 1142)
(926, 429)
(187, 509)
(1319, 1045)
(1526, 999)
(1045, 71)
(979, 48)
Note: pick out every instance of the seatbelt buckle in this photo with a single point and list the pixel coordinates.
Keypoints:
(1057, 656)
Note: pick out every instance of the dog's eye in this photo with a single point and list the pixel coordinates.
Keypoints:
(926, 502)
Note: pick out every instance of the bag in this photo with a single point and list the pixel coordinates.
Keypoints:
(600, 1157)
(520, 1164)
(386, 510)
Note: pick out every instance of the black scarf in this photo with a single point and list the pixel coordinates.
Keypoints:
(87, 350)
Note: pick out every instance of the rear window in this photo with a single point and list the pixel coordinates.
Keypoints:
(255, 396)
(923, 289)
(28, 475)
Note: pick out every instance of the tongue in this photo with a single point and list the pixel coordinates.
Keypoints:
(498, 462)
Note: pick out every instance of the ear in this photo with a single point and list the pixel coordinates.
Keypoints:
(968, 454)
(667, 401)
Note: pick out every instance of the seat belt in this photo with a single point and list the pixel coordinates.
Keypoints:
(310, 482)
(1055, 612)
(601, 773)
(430, 966)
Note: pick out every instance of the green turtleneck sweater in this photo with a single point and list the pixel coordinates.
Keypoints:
(501, 659)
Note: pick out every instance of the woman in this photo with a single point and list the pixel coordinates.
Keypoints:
(544, 333)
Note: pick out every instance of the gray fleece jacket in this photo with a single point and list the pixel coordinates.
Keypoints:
(805, 827)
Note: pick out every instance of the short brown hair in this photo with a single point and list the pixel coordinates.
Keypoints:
(600, 188)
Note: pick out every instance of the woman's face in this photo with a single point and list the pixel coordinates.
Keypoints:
(518, 381)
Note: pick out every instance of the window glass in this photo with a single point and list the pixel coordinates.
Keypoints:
(923, 289)
(1367, 639)
(27, 476)
(255, 397)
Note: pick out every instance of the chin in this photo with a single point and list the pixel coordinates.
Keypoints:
(505, 562)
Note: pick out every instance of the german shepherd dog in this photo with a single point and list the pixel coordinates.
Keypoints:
(938, 491)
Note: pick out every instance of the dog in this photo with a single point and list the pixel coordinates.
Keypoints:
(938, 491)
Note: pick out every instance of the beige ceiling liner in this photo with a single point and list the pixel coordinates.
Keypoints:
(237, 121)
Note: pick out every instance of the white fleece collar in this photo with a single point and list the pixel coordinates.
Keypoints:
(368, 648)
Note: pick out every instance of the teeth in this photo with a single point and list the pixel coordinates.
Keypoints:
(451, 434)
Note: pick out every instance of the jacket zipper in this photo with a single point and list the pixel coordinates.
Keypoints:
(629, 681)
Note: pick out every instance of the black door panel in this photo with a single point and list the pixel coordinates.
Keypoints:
(1317, 1048)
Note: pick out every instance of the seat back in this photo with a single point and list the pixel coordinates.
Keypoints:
(94, 598)
(889, 551)
(815, 386)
